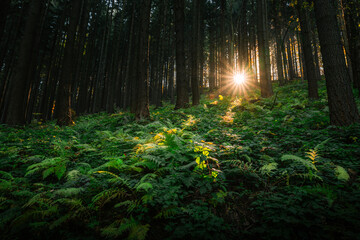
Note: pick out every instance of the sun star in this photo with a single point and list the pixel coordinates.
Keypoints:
(239, 78)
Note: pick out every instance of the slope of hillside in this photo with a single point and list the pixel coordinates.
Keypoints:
(230, 168)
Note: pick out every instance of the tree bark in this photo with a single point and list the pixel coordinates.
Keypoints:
(243, 41)
(307, 50)
(142, 93)
(264, 53)
(63, 100)
(353, 36)
(342, 106)
(182, 99)
(195, 53)
(4, 10)
(279, 65)
(15, 114)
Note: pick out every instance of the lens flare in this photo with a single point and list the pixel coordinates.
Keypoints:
(239, 78)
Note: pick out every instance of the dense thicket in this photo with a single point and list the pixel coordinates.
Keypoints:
(64, 58)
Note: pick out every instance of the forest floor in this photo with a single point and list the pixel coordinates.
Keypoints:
(226, 169)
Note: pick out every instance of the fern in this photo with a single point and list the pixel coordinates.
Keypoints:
(268, 168)
(68, 192)
(6, 175)
(57, 223)
(130, 204)
(167, 212)
(321, 145)
(56, 166)
(108, 195)
(113, 230)
(38, 199)
(147, 164)
(189, 180)
(117, 229)
(341, 173)
(69, 202)
(154, 159)
(73, 175)
(144, 186)
(299, 160)
(138, 232)
(5, 185)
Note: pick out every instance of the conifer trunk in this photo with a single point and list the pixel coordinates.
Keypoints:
(343, 110)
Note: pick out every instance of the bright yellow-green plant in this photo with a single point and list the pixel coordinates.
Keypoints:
(205, 162)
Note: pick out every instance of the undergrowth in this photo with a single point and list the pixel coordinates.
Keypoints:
(230, 168)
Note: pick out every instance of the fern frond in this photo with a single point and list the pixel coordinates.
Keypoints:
(68, 192)
(167, 212)
(147, 164)
(147, 177)
(57, 223)
(188, 181)
(312, 155)
(49, 166)
(118, 228)
(341, 173)
(73, 175)
(6, 175)
(321, 145)
(131, 205)
(107, 195)
(108, 173)
(37, 199)
(139, 231)
(298, 160)
(144, 186)
(5, 185)
(154, 159)
(69, 202)
(266, 169)
(163, 171)
(86, 148)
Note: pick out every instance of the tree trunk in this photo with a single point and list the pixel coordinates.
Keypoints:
(212, 60)
(353, 36)
(279, 65)
(264, 53)
(182, 99)
(4, 10)
(243, 43)
(63, 100)
(222, 58)
(290, 60)
(342, 106)
(128, 69)
(15, 114)
(142, 93)
(195, 53)
(307, 50)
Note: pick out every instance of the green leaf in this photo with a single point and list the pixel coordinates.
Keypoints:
(299, 160)
(47, 172)
(60, 170)
(341, 173)
(144, 186)
(266, 169)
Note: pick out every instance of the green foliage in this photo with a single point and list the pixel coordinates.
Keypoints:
(341, 173)
(232, 169)
(56, 166)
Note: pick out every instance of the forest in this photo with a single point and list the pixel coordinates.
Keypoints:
(179, 119)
